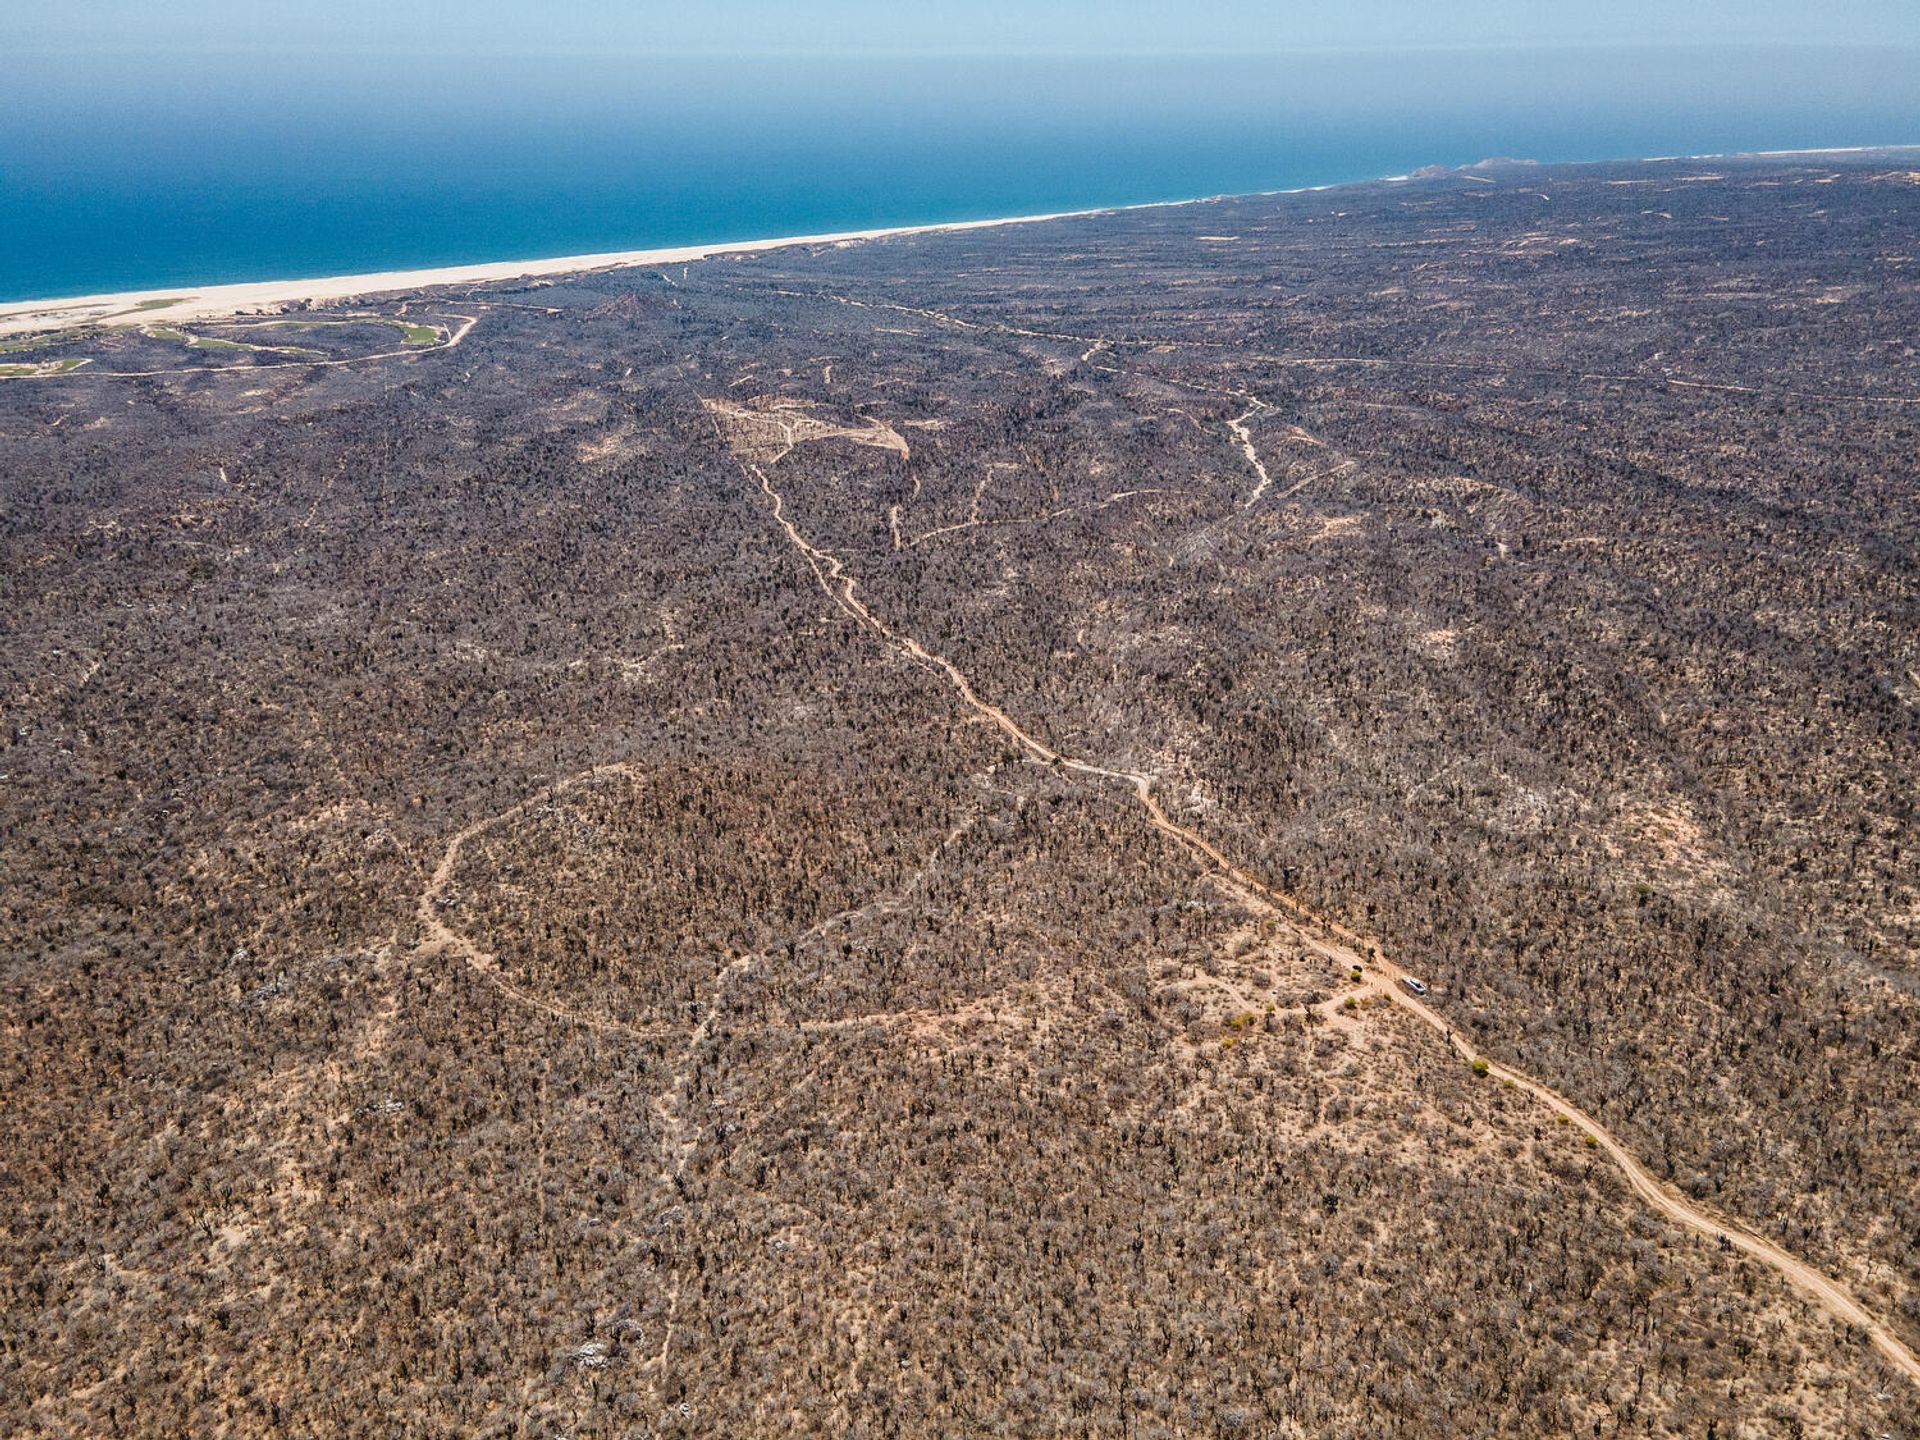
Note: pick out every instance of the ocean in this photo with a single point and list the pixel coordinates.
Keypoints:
(135, 173)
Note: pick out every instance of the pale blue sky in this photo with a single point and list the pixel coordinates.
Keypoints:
(161, 142)
(599, 27)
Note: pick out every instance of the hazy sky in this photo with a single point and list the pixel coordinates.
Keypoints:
(162, 142)
(494, 27)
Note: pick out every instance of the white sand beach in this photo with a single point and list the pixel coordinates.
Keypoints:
(214, 301)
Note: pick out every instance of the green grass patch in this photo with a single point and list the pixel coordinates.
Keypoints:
(46, 367)
(411, 333)
(209, 342)
(40, 340)
(214, 342)
(157, 303)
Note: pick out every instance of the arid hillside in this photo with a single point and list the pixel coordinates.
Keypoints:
(832, 841)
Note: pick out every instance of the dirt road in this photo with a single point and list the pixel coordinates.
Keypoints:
(1338, 942)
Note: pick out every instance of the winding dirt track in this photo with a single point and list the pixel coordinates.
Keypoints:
(1341, 943)
(1326, 935)
(1238, 425)
(443, 938)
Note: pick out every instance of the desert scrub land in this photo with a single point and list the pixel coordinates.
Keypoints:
(829, 842)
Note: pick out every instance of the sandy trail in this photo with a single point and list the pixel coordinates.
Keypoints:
(988, 327)
(441, 937)
(1329, 937)
(1299, 485)
(673, 1106)
(1108, 342)
(1340, 943)
(1238, 425)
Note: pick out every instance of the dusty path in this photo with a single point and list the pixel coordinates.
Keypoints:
(673, 1107)
(443, 938)
(1338, 942)
(1107, 342)
(941, 531)
(1238, 425)
(989, 327)
(1326, 935)
(1327, 474)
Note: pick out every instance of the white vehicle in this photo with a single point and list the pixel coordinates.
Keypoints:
(1418, 987)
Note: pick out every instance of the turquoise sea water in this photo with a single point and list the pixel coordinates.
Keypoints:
(127, 175)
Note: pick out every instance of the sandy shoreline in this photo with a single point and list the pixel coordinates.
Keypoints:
(211, 301)
(208, 301)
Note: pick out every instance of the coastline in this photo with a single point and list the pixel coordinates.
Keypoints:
(214, 301)
(217, 301)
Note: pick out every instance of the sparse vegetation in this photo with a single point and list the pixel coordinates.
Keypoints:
(496, 945)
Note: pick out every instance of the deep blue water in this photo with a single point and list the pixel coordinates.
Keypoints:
(116, 175)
